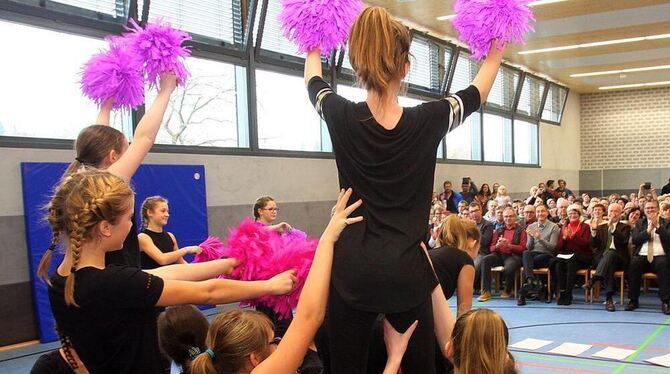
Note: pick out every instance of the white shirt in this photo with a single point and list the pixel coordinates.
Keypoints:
(658, 247)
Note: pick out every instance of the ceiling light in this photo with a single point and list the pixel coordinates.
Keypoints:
(595, 44)
(635, 85)
(631, 70)
(533, 3)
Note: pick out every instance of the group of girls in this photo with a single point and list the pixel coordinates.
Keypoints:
(385, 156)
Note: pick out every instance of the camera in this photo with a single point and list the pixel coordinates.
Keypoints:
(647, 185)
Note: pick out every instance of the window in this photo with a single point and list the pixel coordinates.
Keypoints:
(504, 89)
(216, 19)
(114, 8)
(296, 128)
(448, 55)
(273, 38)
(424, 64)
(210, 110)
(44, 100)
(497, 138)
(464, 142)
(525, 143)
(531, 96)
(466, 70)
(553, 106)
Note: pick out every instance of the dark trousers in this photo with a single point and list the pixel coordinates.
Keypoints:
(530, 259)
(566, 270)
(639, 265)
(512, 264)
(349, 333)
(609, 263)
(478, 271)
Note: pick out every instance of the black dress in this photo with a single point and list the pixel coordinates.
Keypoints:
(163, 241)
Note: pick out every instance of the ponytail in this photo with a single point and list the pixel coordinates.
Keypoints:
(202, 364)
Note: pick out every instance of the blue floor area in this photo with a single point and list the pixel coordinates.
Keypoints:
(646, 330)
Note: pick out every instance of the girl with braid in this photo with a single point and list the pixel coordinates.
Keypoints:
(159, 247)
(108, 312)
(386, 153)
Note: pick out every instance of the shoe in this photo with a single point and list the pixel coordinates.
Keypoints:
(632, 305)
(609, 306)
(521, 301)
(505, 295)
(485, 296)
(560, 300)
(666, 308)
(536, 286)
(568, 299)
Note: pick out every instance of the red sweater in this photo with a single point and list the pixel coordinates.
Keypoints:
(579, 242)
(508, 234)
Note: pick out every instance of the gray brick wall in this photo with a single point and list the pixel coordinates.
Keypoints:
(625, 129)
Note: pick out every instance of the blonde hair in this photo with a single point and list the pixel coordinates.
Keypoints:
(148, 204)
(502, 190)
(232, 337)
(479, 342)
(453, 233)
(378, 49)
(79, 203)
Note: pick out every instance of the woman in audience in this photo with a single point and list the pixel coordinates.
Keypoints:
(491, 207)
(484, 194)
(479, 344)
(553, 209)
(108, 312)
(182, 331)
(503, 198)
(159, 247)
(633, 216)
(243, 341)
(576, 254)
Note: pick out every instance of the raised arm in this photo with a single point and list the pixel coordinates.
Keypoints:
(146, 131)
(105, 111)
(488, 71)
(312, 304)
(147, 246)
(313, 65)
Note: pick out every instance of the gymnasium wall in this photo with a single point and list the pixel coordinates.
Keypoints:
(625, 139)
(304, 188)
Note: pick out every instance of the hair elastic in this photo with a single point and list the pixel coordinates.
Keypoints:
(210, 353)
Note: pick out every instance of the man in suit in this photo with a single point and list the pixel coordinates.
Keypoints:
(486, 233)
(615, 255)
(651, 238)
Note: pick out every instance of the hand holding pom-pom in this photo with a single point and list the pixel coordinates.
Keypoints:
(478, 22)
(114, 77)
(321, 24)
(160, 47)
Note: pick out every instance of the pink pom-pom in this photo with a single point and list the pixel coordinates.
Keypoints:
(263, 254)
(212, 249)
(478, 22)
(319, 23)
(116, 74)
(160, 47)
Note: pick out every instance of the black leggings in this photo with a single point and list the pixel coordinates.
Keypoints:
(349, 333)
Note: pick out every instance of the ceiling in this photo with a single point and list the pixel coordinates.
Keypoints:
(571, 22)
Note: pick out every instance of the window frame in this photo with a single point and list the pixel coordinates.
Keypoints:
(565, 103)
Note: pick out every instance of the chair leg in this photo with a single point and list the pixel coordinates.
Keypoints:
(550, 296)
(621, 290)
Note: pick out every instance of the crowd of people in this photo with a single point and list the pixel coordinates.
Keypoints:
(553, 228)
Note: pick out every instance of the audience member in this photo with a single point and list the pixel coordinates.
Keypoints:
(561, 218)
(576, 251)
(502, 197)
(484, 194)
(540, 251)
(450, 198)
(486, 234)
(562, 190)
(468, 190)
(528, 216)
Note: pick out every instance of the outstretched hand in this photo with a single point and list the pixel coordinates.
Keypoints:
(340, 218)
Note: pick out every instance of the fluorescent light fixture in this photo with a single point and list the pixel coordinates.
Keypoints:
(631, 70)
(635, 85)
(533, 3)
(596, 44)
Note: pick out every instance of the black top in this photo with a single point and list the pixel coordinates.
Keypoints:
(378, 264)
(129, 254)
(448, 262)
(163, 241)
(51, 363)
(113, 329)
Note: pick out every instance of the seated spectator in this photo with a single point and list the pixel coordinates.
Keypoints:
(551, 206)
(484, 194)
(450, 198)
(651, 238)
(436, 226)
(435, 198)
(502, 197)
(549, 192)
(540, 250)
(533, 195)
(486, 234)
(563, 190)
(665, 210)
(572, 199)
(479, 344)
(614, 257)
(506, 247)
(586, 199)
(577, 250)
(528, 216)
(666, 189)
(561, 218)
(491, 211)
(499, 223)
(463, 209)
(468, 190)
(518, 205)
(181, 334)
(633, 216)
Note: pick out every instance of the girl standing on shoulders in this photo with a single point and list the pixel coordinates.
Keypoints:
(159, 247)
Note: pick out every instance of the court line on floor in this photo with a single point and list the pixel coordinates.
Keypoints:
(642, 346)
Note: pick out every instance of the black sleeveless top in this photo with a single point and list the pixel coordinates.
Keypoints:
(163, 241)
(129, 254)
